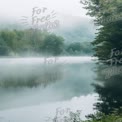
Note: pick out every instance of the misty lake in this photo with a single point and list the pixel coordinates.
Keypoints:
(32, 89)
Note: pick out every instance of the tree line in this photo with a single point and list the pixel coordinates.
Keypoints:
(35, 42)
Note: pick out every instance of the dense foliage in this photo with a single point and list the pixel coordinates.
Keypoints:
(28, 41)
(108, 47)
(34, 42)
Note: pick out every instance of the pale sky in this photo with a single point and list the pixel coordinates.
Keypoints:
(69, 12)
(12, 8)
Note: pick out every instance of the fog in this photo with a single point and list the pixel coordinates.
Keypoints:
(33, 78)
(27, 82)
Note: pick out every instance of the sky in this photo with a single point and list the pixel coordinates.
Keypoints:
(12, 8)
(69, 13)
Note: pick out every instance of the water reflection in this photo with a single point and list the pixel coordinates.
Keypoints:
(26, 82)
(29, 76)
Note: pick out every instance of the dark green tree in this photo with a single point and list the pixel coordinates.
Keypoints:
(74, 48)
(4, 50)
(108, 16)
(52, 45)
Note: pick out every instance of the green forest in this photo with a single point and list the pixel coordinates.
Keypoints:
(32, 42)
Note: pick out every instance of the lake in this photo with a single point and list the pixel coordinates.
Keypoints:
(35, 89)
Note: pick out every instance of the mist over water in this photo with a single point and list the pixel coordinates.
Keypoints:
(27, 82)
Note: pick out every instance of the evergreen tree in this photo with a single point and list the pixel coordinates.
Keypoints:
(108, 48)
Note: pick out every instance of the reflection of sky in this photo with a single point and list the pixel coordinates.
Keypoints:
(41, 112)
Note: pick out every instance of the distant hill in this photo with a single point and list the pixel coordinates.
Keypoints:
(72, 28)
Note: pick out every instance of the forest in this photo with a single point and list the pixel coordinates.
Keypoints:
(30, 42)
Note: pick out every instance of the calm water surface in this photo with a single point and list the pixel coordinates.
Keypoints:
(33, 89)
